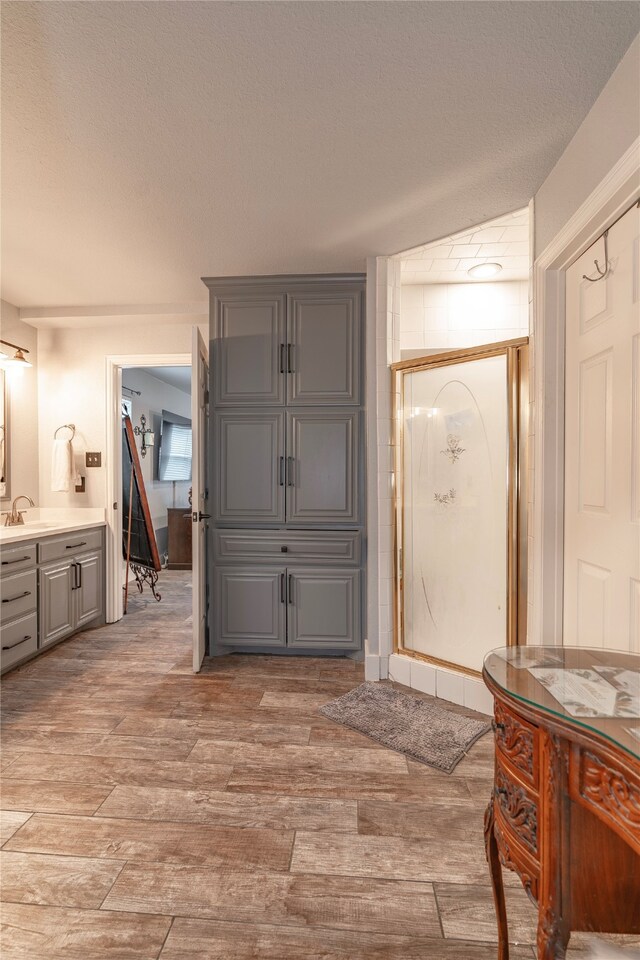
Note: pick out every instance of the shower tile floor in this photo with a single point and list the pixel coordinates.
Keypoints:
(150, 813)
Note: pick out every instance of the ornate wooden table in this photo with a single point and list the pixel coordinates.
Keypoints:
(565, 809)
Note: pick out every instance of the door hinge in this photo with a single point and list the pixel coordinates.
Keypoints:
(206, 398)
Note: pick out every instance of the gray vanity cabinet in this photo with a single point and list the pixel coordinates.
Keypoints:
(323, 361)
(323, 608)
(249, 465)
(70, 595)
(50, 588)
(249, 349)
(71, 587)
(250, 606)
(88, 595)
(322, 476)
(56, 601)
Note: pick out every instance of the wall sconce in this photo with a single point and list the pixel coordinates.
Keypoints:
(17, 361)
(148, 436)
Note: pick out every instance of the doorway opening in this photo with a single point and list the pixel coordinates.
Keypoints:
(166, 398)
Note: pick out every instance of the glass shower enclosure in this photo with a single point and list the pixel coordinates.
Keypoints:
(460, 446)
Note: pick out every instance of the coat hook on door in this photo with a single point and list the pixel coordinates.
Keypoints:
(601, 273)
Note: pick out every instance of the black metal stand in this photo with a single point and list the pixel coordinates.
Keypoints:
(146, 575)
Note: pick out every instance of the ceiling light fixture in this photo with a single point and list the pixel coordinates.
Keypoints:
(482, 271)
(18, 359)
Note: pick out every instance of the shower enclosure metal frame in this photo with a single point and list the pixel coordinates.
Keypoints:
(516, 353)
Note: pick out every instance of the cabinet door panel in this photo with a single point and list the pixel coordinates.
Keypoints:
(88, 596)
(249, 350)
(322, 472)
(248, 465)
(56, 602)
(324, 353)
(250, 608)
(324, 608)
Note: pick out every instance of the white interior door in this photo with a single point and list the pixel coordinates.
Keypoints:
(602, 445)
(199, 516)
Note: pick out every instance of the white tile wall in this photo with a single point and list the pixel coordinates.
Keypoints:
(445, 316)
(400, 669)
(440, 682)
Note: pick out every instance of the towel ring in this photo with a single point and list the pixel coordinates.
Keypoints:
(66, 426)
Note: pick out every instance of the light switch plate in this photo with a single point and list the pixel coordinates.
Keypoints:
(93, 459)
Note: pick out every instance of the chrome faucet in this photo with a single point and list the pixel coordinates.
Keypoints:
(16, 516)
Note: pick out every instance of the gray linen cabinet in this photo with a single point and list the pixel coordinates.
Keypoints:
(287, 462)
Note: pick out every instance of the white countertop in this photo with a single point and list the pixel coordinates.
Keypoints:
(48, 521)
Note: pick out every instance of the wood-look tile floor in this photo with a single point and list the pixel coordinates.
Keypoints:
(148, 813)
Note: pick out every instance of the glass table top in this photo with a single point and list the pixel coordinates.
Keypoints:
(592, 688)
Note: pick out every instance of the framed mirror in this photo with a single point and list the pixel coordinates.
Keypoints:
(5, 492)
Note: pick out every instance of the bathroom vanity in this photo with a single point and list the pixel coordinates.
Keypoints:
(51, 583)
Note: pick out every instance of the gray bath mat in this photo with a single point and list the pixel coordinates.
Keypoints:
(421, 729)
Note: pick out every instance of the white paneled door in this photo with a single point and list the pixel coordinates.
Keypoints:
(200, 495)
(602, 444)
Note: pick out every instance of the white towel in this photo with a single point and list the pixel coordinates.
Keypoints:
(63, 467)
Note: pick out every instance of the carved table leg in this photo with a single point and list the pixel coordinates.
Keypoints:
(495, 869)
(553, 936)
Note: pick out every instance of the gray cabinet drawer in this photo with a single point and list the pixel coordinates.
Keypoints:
(19, 640)
(18, 594)
(17, 557)
(69, 546)
(287, 547)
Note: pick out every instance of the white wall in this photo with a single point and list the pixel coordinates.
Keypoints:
(23, 407)
(72, 389)
(157, 396)
(608, 130)
(449, 316)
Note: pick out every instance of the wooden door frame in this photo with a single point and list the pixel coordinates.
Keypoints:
(613, 195)
(115, 366)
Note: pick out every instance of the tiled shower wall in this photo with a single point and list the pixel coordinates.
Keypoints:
(449, 316)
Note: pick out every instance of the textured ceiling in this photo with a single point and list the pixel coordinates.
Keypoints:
(504, 240)
(147, 144)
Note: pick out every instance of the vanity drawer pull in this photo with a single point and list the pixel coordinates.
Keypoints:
(6, 563)
(27, 593)
(495, 726)
(72, 546)
(10, 646)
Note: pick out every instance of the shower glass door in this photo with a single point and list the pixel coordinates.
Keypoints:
(458, 504)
